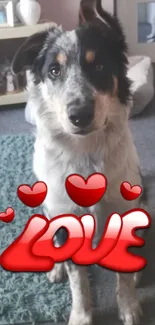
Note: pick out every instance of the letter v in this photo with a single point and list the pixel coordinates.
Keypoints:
(87, 255)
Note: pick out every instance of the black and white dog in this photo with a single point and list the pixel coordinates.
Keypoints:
(80, 79)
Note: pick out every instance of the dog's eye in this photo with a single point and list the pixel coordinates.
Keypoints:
(55, 71)
(99, 67)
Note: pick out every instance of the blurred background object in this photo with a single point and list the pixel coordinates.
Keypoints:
(10, 83)
(28, 12)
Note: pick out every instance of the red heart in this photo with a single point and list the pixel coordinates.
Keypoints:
(129, 192)
(88, 192)
(7, 216)
(32, 197)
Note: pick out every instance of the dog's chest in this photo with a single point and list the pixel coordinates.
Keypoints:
(59, 164)
(55, 165)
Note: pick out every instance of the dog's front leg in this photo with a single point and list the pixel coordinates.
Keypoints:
(130, 311)
(81, 312)
(129, 308)
(58, 273)
(128, 304)
(81, 297)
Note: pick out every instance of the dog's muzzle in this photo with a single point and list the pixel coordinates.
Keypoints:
(83, 115)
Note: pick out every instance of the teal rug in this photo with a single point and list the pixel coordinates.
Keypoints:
(24, 297)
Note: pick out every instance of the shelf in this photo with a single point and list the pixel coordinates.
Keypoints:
(20, 31)
(15, 98)
(23, 31)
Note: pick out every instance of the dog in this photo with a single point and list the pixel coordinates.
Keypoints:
(80, 79)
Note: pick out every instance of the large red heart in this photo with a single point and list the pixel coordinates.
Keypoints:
(32, 197)
(7, 216)
(88, 192)
(129, 192)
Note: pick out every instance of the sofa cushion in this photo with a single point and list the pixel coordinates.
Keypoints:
(141, 74)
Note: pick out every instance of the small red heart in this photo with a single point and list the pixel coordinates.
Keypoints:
(88, 192)
(7, 216)
(129, 192)
(32, 197)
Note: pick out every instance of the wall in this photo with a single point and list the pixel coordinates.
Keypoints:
(108, 5)
(65, 12)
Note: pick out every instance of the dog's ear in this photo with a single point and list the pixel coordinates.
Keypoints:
(30, 49)
(86, 12)
(91, 11)
(26, 54)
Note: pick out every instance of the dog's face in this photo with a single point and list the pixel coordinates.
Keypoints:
(78, 73)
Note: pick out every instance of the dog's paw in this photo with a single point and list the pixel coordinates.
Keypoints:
(130, 311)
(80, 318)
(57, 274)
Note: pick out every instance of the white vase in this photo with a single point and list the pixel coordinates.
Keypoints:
(28, 11)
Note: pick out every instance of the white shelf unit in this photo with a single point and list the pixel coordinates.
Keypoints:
(14, 98)
(20, 31)
(13, 33)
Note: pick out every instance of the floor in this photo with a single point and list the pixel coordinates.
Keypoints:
(12, 120)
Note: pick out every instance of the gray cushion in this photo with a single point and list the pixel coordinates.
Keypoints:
(141, 73)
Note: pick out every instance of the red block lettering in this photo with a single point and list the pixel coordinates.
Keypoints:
(120, 259)
(87, 255)
(18, 257)
(44, 246)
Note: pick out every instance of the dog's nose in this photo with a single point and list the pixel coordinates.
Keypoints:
(82, 117)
